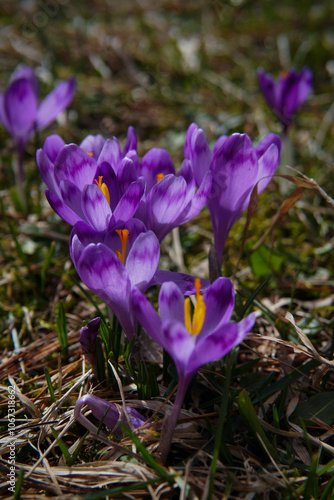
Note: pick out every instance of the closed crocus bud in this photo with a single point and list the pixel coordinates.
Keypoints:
(88, 334)
(110, 414)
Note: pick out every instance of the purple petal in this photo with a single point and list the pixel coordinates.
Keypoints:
(93, 145)
(82, 235)
(111, 153)
(268, 164)
(28, 74)
(102, 271)
(75, 165)
(165, 202)
(52, 145)
(267, 85)
(129, 202)
(109, 178)
(72, 197)
(198, 201)
(219, 302)
(20, 105)
(156, 161)
(131, 142)
(95, 207)
(135, 228)
(147, 316)
(180, 344)
(127, 174)
(171, 303)
(219, 343)
(46, 168)
(55, 102)
(198, 151)
(88, 334)
(61, 209)
(143, 260)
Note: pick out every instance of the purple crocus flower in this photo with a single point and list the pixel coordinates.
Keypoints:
(110, 414)
(236, 168)
(170, 198)
(20, 112)
(286, 94)
(112, 264)
(91, 182)
(191, 342)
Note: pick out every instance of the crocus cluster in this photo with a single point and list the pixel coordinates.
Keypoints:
(20, 112)
(121, 208)
(287, 93)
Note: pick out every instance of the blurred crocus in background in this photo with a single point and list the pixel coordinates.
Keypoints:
(110, 414)
(192, 340)
(287, 93)
(236, 167)
(21, 114)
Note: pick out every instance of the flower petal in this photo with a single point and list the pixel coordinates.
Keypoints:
(53, 144)
(198, 151)
(180, 345)
(171, 302)
(20, 105)
(165, 202)
(61, 209)
(93, 145)
(147, 316)
(95, 207)
(219, 302)
(129, 202)
(156, 161)
(131, 141)
(185, 282)
(55, 102)
(46, 168)
(75, 165)
(72, 197)
(268, 164)
(143, 260)
(217, 344)
(197, 202)
(111, 153)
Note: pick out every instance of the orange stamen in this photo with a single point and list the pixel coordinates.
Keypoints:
(103, 188)
(124, 235)
(195, 326)
(159, 177)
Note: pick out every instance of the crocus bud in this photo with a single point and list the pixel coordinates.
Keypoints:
(110, 414)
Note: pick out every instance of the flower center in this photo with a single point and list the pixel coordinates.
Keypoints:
(103, 188)
(124, 235)
(195, 326)
(159, 177)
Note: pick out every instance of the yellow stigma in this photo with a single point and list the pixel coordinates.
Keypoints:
(159, 177)
(89, 154)
(195, 326)
(124, 235)
(103, 188)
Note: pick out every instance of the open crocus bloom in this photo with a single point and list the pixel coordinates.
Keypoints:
(286, 94)
(93, 185)
(109, 413)
(20, 112)
(191, 341)
(113, 264)
(170, 198)
(236, 168)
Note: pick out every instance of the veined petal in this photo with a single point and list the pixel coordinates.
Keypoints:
(95, 207)
(131, 141)
(75, 165)
(27, 73)
(61, 209)
(165, 202)
(53, 144)
(102, 271)
(186, 171)
(129, 202)
(198, 201)
(46, 168)
(127, 174)
(217, 344)
(147, 316)
(55, 102)
(156, 161)
(268, 164)
(81, 236)
(171, 302)
(20, 105)
(219, 302)
(179, 344)
(111, 153)
(198, 152)
(135, 228)
(71, 196)
(143, 260)
(93, 145)
(220, 142)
